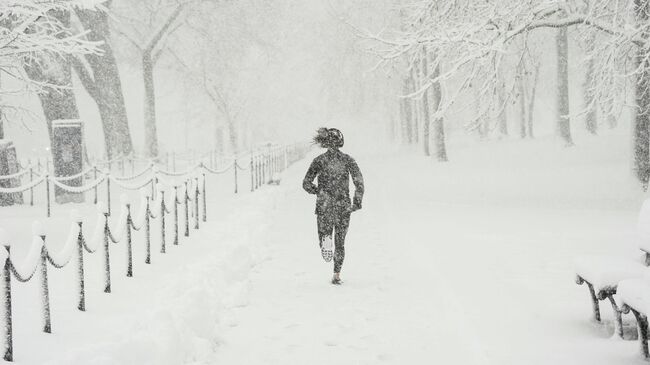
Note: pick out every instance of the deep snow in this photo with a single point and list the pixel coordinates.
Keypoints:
(469, 262)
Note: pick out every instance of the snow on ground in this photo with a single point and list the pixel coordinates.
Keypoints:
(469, 262)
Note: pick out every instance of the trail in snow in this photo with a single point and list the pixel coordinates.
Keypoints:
(463, 263)
(428, 279)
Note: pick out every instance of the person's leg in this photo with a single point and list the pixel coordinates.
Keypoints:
(325, 225)
(341, 230)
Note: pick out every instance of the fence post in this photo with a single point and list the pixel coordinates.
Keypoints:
(162, 219)
(236, 183)
(107, 259)
(205, 203)
(196, 204)
(95, 188)
(108, 194)
(45, 290)
(80, 268)
(187, 211)
(9, 345)
(31, 190)
(147, 230)
(129, 247)
(176, 202)
(252, 174)
(47, 194)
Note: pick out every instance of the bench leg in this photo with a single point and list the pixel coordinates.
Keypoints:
(642, 324)
(594, 302)
(618, 324)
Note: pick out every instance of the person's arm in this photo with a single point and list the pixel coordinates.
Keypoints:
(357, 179)
(308, 181)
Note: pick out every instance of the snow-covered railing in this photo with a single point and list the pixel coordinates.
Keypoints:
(105, 233)
(262, 164)
(163, 200)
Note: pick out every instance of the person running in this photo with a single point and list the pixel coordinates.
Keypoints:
(333, 206)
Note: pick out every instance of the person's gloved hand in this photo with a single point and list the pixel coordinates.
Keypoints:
(356, 205)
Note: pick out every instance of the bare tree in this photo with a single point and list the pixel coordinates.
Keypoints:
(100, 77)
(149, 37)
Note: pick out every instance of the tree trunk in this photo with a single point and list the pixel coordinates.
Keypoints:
(531, 103)
(408, 111)
(417, 112)
(563, 121)
(591, 117)
(438, 122)
(502, 115)
(104, 85)
(426, 122)
(150, 133)
(234, 136)
(522, 104)
(57, 104)
(641, 134)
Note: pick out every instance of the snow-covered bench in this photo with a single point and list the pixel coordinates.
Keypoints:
(635, 297)
(603, 274)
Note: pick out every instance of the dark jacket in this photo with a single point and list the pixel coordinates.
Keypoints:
(333, 169)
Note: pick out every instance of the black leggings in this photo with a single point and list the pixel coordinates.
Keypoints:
(339, 223)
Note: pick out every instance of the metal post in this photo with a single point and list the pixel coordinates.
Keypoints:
(252, 175)
(235, 167)
(196, 204)
(187, 212)
(95, 188)
(176, 215)
(9, 343)
(31, 190)
(107, 260)
(147, 230)
(108, 194)
(47, 193)
(80, 268)
(162, 221)
(205, 204)
(45, 290)
(129, 245)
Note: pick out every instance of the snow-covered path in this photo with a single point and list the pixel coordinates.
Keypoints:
(433, 272)
(469, 262)
(383, 312)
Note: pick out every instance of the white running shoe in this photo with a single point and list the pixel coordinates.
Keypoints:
(326, 248)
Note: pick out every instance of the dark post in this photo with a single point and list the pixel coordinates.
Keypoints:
(252, 174)
(129, 247)
(205, 204)
(196, 204)
(187, 211)
(47, 194)
(9, 345)
(108, 194)
(235, 167)
(45, 290)
(176, 202)
(80, 268)
(95, 188)
(147, 231)
(31, 190)
(107, 260)
(162, 220)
